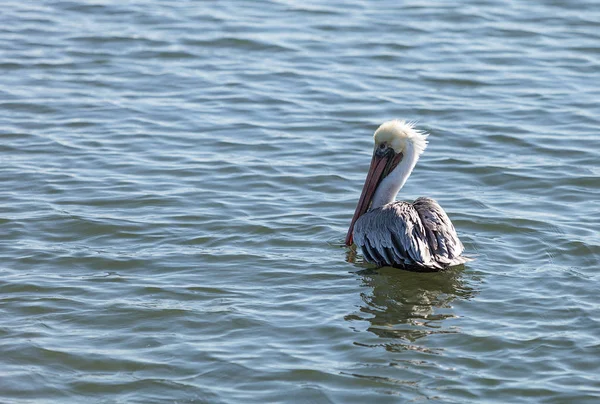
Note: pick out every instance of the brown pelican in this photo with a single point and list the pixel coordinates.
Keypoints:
(418, 235)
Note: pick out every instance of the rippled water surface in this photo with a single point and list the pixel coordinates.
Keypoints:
(178, 177)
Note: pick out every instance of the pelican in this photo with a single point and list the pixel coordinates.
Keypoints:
(416, 236)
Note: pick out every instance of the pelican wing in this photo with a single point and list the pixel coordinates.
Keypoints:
(418, 235)
(444, 244)
(393, 235)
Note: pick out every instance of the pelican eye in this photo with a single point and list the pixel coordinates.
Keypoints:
(382, 146)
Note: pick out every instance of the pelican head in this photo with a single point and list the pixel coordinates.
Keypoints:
(400, 135)
(398, 146)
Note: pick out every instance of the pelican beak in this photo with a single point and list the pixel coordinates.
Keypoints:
(383, 162)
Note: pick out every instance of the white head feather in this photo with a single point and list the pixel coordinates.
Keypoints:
(405, 139)
(400, 135)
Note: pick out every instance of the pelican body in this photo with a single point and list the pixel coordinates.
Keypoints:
(416, 236)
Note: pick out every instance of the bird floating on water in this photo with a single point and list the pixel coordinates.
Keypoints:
(417, 236)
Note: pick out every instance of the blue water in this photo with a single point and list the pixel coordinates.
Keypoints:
(177, 179)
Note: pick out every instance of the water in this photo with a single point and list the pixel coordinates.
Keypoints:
(178, 177)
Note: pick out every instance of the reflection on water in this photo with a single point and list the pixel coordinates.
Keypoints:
(407, 306)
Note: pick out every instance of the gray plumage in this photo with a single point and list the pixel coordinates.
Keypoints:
(417, 236)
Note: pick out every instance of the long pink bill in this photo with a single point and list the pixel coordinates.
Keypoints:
(376, 170)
